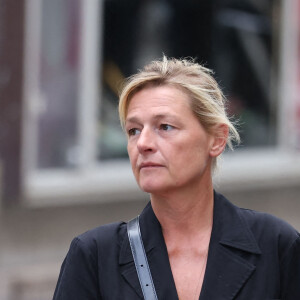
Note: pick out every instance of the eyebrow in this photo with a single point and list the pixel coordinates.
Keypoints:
(135, 119)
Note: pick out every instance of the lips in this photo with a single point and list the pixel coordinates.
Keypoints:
(149, 165)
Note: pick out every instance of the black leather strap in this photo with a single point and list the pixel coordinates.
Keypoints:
(140, 259)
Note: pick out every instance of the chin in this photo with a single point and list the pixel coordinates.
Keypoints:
(152, 187)
(149, 189)
(148, 185)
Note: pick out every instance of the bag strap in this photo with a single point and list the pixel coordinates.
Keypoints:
(140, 259)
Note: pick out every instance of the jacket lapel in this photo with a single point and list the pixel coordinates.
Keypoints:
(157, 258)
(231, 240)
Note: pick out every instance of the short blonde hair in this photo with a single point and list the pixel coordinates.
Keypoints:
(206, 98)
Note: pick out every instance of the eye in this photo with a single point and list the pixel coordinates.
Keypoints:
(166, 127)
(133, 131)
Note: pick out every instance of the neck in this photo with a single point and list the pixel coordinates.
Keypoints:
(185, 213)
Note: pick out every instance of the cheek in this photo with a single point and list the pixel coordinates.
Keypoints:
(133, 157)
(193, 153)
(130, 151)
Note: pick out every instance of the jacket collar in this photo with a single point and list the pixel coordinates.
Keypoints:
(150, 229)
(231, 239)
(230, 228)
(157, 255)
(226, 270)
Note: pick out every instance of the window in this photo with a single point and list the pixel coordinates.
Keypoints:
(237, 39)
(56, 81)
(78, 53)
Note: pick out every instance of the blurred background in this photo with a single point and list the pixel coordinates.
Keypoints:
(63, 161)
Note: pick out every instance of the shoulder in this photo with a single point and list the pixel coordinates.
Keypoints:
(79, 275)
(270, 230)
(260, 221)
(103, 234)
(102, 237)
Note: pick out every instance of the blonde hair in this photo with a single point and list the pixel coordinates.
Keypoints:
(206, 98)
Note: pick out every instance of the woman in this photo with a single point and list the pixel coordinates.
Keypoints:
(198, 244)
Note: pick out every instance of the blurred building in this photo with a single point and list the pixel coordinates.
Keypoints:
(63, 160)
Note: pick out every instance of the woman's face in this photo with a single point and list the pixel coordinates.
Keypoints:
(167, 146)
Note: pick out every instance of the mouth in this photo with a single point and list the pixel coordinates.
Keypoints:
(149, 165)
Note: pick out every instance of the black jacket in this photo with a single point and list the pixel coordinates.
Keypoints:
(252, 256)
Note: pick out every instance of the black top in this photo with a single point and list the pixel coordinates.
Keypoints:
(251, 255)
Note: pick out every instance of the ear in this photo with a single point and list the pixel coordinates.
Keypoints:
(221, 132)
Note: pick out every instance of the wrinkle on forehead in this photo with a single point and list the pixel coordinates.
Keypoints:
(159, 94)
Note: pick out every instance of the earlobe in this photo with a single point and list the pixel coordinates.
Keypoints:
(219, 140)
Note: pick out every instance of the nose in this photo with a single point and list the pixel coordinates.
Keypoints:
(146, 141)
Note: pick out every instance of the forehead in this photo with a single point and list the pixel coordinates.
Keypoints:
(165, 98)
